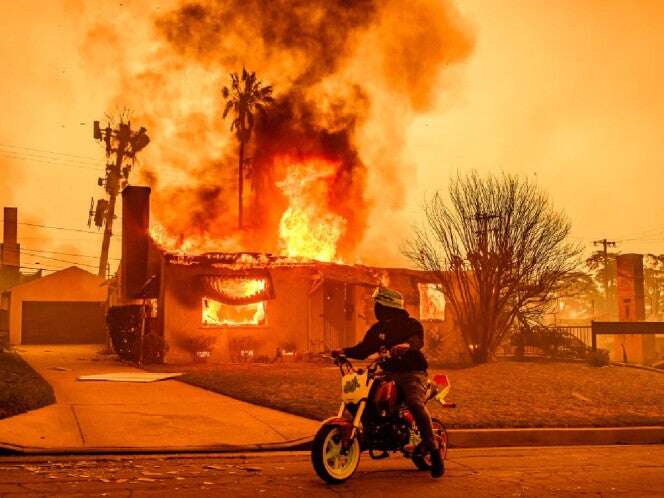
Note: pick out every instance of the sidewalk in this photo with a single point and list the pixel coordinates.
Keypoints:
(123, 416)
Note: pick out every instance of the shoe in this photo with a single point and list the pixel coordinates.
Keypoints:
(437, 465)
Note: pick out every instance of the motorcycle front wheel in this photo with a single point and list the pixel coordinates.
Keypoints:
(331, 463)
(423, 461)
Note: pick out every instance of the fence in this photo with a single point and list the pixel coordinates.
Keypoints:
(624, 328)
(581, 333)
(566, 341)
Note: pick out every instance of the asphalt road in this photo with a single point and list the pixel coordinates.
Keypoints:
(627, 471)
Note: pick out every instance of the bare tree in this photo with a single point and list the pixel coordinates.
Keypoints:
(499, 249)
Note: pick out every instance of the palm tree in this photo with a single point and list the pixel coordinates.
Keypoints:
(245, 97)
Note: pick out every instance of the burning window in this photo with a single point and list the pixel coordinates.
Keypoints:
(235, 300)
(220, 314)
(432, 302)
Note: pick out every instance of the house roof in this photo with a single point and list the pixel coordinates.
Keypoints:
(11, 277)
(55, 276)
(239, 261)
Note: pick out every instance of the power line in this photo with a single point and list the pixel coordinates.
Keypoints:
(65, 253)
(56, 259)
(36, 225)
(47, 151)
(55, 163)
(78, 161)
(33, 268)
(46, 157)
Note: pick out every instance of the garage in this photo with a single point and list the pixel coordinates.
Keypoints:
(69, 322)
(65, 307)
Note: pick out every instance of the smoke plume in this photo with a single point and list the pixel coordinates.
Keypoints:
(348, 75)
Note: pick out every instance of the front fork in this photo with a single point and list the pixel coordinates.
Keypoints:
(357, 420)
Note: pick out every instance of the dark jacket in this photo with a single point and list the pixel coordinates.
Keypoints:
(398, 329)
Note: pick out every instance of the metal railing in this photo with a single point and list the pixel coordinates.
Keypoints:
(582, 333)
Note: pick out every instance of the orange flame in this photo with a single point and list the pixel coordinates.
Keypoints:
(191, 244)
(308, 228)
(216, 313)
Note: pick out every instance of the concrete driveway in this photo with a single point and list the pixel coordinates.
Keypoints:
(164, 415)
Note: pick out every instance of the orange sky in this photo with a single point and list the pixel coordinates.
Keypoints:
(567, 92)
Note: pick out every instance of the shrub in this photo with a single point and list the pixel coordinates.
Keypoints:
(599, 358)
(551, 341)
(200, 346)
(242, 349)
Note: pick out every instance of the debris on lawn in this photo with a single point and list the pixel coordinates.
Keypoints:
(581, 397)
(252, 468)
(129, 377)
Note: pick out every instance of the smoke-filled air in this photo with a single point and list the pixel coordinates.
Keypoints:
(347, 77)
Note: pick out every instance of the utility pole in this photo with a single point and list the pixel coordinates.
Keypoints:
(605, 251)
(123, 144)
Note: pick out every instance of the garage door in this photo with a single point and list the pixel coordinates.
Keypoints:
(63, 323)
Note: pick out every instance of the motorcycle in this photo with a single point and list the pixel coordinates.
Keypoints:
(373, 417)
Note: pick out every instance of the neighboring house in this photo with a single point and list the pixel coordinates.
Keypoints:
(253, 304)
(65, 307)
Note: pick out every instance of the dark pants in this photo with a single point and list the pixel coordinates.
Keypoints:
(413, 385)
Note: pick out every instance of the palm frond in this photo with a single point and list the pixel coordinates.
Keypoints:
(264, 92)
(229, 105)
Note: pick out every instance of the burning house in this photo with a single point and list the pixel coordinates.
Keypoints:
(241, 305)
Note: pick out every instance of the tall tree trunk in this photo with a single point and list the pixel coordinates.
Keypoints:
(240, 185)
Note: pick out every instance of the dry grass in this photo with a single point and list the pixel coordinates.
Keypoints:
(21, 388)
(501, 394)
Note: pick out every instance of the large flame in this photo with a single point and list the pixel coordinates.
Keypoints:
(308, 228)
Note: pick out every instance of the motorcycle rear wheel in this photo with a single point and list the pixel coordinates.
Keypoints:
(327, 457)
(423, 461)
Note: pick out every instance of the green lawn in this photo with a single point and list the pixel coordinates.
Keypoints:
(501, 394)
(21, 388)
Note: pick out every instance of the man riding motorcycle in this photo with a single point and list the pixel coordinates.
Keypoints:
(403, 335)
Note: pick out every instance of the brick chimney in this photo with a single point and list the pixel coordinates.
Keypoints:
(631, 302)
(135, 240)
(10, 254)
(634, 348)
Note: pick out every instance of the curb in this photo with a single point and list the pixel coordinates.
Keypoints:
(484, 438)
(459, 438)
(292, 445)
(637, 366)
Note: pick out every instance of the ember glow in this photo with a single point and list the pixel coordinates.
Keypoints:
(309, 228)
(432, 302)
